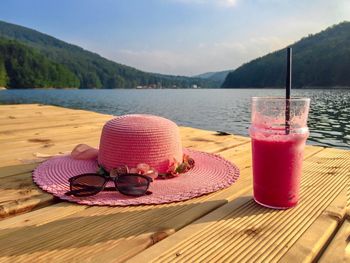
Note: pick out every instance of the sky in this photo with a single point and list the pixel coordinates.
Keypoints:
(178, 37)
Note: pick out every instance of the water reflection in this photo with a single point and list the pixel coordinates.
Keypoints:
(329, 117)
(224, 110)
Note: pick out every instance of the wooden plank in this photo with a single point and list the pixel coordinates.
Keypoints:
(132, 229)
(348, 197)
(339, 249)
(26, 114)
(14, 107)
(27, 119)
(19, 109)
(20, 135)
(51, 147)
(40, 217)
(45, 124)
(99, 233)
(245, 232)
(19, 194)
(312, 242)
(17, 169)
(35, 119)
(15, 207)
(39, 136)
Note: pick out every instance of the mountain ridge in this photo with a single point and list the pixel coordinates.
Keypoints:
(93, 70)
(219, 76)
(319, 60)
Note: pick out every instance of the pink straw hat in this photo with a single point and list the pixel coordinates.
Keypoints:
(131, 140)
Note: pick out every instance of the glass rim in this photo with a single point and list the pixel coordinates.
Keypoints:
(280, 98)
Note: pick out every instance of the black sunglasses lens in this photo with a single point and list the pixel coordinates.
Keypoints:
(86, 185)
(130, 184)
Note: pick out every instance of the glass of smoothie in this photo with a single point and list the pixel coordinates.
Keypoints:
(278, 132)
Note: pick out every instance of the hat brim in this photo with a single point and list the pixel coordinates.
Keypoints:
(210, 173)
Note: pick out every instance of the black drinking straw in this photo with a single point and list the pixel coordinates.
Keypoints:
(288, 87)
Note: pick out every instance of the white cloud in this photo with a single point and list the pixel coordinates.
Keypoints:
(224, 3)
(230, 2)
(239, 43)
(202, 58)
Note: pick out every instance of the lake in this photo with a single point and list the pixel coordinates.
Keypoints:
(211, 109)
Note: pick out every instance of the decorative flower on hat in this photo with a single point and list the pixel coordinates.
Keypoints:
(174, 170)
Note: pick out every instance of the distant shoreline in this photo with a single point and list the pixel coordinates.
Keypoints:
(304, 88)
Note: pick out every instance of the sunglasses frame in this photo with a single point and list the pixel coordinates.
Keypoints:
(107, 179)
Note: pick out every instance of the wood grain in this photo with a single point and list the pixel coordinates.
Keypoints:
(348, 197)
(226, 225)
(311, 244)
(246, 232)
(19, 194)
(339, 249)
(132, 229)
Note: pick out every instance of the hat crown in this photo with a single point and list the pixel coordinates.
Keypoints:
(137, 138)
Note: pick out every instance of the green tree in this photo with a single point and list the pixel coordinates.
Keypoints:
(3, 74)
(116, 82)
(26, 68)
(91, 81)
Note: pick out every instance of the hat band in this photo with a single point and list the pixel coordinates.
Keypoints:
(86, 152)
(175, 169)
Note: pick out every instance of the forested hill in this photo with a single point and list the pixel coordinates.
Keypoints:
(81, 68)
(22, 66)
(320, 60)
(218, 76)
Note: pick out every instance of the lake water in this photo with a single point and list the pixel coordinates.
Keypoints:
(211, 109)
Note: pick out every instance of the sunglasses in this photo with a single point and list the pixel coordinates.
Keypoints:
(127, 184)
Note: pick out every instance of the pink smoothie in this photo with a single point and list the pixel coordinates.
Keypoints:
(277, 167)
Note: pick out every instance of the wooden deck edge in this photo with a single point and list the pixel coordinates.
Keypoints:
(39, 217)
(17, 169)
(338, 249)
(29, 204)
(19, 104)
(310, 246)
